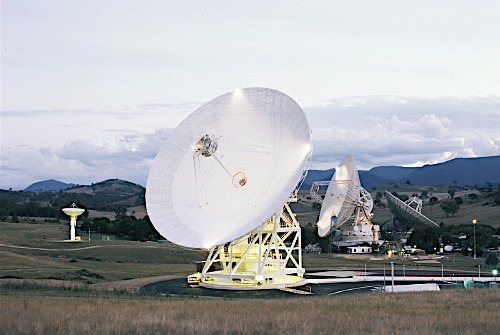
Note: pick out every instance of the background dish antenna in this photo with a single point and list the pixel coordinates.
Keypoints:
(345, 200)
(228, 167)
(409, 212)
(407, 215)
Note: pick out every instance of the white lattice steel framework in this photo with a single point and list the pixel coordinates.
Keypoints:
(268, 257)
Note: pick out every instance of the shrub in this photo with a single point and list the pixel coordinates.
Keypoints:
(492, 260)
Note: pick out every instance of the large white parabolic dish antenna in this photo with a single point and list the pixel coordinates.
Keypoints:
(343, 195)
(228, 167)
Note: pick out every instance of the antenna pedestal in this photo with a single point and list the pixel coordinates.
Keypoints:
(72, 233)
(269, 257)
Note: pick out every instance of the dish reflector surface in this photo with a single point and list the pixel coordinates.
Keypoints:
(228, 167)
(341, 197)
(405, 213)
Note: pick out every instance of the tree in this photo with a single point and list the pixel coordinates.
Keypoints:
(473, 197)
(3, 214)
(449, 206)
(479, 251)
(426, 238)
(492, 260)
(402, 197)
(452, 192)
(497, 196)
(378, 199)
(14, 219)
(447, 238)
(489, 185)
(432, 202)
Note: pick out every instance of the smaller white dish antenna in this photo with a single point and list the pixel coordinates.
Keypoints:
(408, 212)
(73, 212)
(344, 199)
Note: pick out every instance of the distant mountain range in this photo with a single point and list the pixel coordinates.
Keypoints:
(49, 185)
(463, 171)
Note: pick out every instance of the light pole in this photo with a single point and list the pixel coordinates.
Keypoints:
(474, 222)
(392, 275)
(385, 289)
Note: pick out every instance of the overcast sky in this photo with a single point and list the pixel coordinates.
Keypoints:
(90, 89)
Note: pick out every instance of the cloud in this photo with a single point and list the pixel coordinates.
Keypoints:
(126, 147)
(43, 112)
(375, 130)
(170, 106)
(403, 131)
(127, 156)
(482, 145)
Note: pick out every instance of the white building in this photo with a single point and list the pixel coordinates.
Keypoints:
(359, 250)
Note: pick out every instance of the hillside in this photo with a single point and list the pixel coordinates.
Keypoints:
(316, 175)
(393, 172)
(465, 171)
(116, 186)
(114, 195)
(462, 171)
(110, 195)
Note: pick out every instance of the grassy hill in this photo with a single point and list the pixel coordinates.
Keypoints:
(483, 208)
(106, 198)
(109, 196)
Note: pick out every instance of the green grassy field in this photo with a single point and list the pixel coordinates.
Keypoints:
(29, 253)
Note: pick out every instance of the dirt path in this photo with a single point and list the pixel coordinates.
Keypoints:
(74, 249)
(131, 285)
(47, 282)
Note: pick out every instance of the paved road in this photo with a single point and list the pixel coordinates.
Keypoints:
(179, 287)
